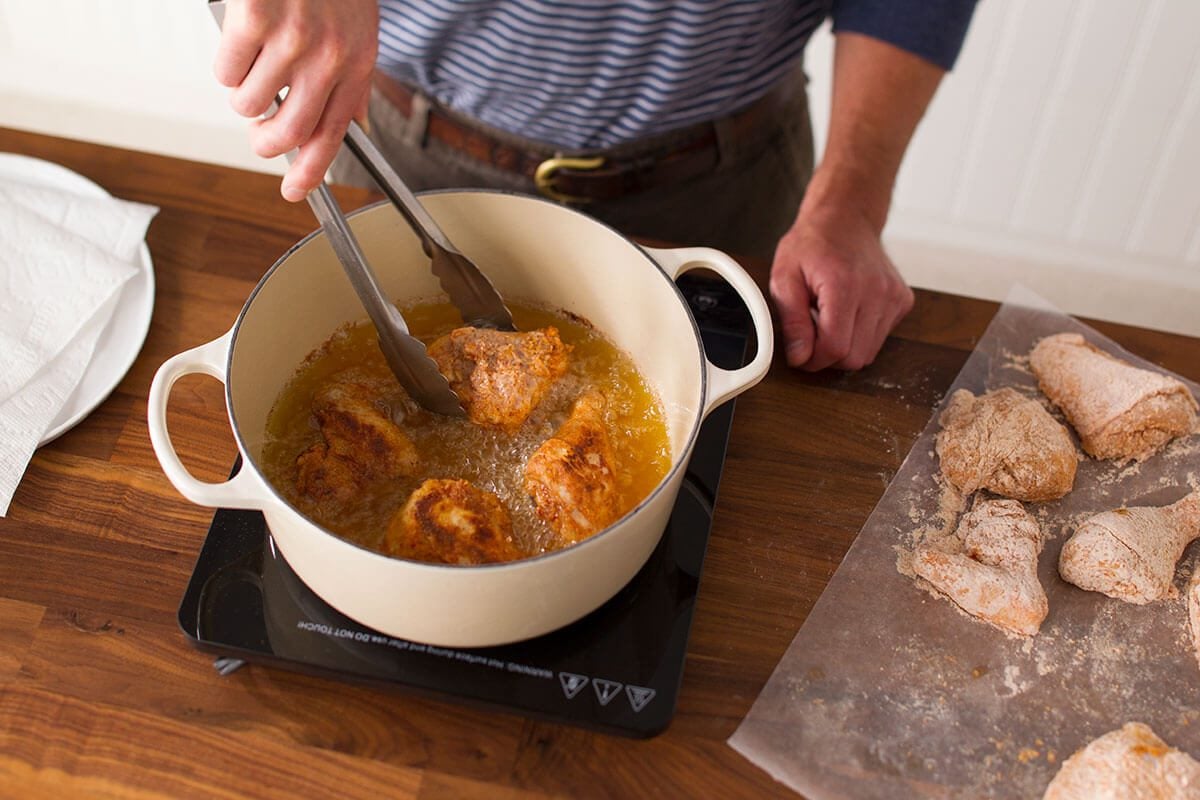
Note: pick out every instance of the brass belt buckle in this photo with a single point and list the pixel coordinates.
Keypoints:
(543, 176)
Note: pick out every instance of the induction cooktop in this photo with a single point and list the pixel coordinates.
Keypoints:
(617, 670)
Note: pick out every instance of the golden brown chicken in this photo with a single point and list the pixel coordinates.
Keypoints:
(360, 444)
(571, 477)
(452, 521)
(500, 376)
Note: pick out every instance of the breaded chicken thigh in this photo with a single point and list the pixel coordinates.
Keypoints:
(452, 521)
(1006, 443)
(1129, 763)
(1130, 553)
(500, 376)
(571, 478)
(1119, 411)
(994, 576)
(360, 444)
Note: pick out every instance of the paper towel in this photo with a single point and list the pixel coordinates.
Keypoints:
(64, 258)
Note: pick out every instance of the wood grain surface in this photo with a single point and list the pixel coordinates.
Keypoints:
(101, 695)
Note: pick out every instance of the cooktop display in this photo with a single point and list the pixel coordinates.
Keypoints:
(616, 670)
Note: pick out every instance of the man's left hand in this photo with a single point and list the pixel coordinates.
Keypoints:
(837, 293)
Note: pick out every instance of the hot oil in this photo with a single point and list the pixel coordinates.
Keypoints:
(455, 448)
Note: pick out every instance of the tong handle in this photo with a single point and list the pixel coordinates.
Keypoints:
(469, 289)
(405, 354)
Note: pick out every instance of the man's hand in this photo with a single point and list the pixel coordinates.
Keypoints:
(837, 293)
(323, 52)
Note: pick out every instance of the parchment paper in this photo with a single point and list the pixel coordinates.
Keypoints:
(889, 691)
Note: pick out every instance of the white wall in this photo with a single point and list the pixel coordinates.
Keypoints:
(1062, 152)
(134, 73)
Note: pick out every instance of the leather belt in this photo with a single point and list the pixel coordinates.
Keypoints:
(582, 177)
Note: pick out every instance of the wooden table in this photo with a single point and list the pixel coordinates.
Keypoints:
(102, 695)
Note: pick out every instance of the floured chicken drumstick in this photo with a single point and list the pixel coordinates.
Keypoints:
(360, 444)
(1118, 410)
(1130, 553)
(500, 376)
(570, 477)
(1006, 443)
(994, 576)
(1127, 764)
(452, 522)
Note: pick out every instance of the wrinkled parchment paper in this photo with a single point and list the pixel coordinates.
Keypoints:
(889, 691)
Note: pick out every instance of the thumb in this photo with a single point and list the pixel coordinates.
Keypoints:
(793, 302)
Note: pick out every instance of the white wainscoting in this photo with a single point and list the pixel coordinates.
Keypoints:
(1062, 152)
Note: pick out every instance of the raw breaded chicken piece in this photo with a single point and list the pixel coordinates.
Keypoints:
(1119, 410)
(452, 521)
(571, 478)
(1006, 443)
(500, 376)
(360, 444)
(1130, 763)
(994, 577)
(1130, 553)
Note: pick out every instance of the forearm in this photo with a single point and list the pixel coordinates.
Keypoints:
(880, 93)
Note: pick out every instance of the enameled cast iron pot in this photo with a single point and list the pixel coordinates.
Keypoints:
(532, 250)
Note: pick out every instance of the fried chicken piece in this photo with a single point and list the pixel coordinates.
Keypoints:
(452, 521)
(1006, 443)
(1127, 764)
(500, 376)
(1118, 410)
(994, 576)
(360, 444)
(571, 478)
(1130, 553)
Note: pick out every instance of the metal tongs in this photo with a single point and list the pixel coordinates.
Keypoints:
(469, 289)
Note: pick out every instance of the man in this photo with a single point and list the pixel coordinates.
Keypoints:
(683, 121)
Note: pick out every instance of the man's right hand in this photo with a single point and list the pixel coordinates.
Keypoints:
(323, 52)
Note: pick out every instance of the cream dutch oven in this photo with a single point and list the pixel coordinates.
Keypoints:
(532, 250)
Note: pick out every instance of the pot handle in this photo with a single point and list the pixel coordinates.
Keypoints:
(724, 384)
(243, 490)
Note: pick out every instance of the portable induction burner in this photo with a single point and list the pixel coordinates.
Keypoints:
(616, 670)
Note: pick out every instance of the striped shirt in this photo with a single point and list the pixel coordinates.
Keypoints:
(590, 74)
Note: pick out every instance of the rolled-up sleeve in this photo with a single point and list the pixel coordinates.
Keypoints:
(932, 29)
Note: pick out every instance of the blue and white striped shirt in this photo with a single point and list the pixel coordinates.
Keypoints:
(590, 74)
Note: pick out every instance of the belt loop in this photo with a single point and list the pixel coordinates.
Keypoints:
(418, 121)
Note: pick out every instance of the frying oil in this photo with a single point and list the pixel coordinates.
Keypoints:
(452, 447)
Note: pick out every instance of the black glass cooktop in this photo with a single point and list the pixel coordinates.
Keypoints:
(616, 670)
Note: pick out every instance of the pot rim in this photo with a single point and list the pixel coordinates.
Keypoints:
(677, 466)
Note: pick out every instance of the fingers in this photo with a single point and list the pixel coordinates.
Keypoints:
(322, 53)
(794, 305)
(307, 169)
(361, 115)
(853, 322)
(840, 341)
(241, 40)
(838, 296)
(259, 88)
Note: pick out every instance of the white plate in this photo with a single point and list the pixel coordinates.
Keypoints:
(121, 341)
